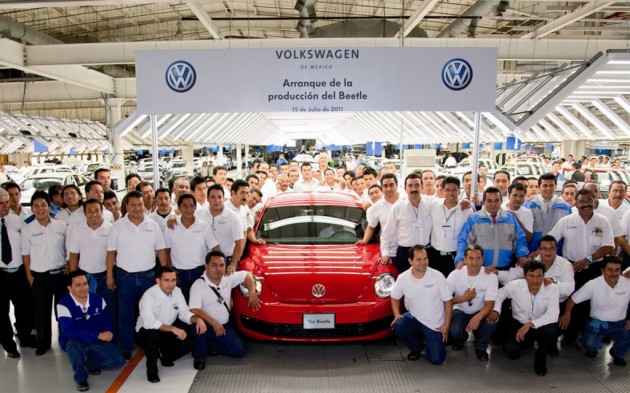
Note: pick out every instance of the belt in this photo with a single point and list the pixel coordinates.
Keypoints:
(56, 271)
(444, 253)
(10, 270)
(134, 273)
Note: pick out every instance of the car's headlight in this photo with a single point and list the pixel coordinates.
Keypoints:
(383, 285)
(257, 285)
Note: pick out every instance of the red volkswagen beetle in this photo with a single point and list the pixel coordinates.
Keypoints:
(315, 283)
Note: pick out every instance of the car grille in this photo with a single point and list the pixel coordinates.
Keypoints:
(297, 331)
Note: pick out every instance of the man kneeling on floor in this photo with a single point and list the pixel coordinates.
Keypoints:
(160, 307)
(428, 300)
(210, 299)
(535, 310)
(85, 331)
(609, 295)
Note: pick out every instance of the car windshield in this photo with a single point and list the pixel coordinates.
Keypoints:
(312, 225)
(178, 164)
(42, 183)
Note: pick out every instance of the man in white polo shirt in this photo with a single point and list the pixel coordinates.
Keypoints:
(210, 299)
(428, 300)
(87, 248)
(475, 293)
(226, 225)
(188, 243)
(44, 258)
(609, 295)
(164, 208)
(93, 190)
(132, 245)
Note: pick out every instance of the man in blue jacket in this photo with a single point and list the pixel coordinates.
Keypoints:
(85, 331)
(496, 231)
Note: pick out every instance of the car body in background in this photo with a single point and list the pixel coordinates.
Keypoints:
(523, 168)
(42, 181)
(87, 169)
(465, 165)
(314, 281)
(178, 168)
(145, 171)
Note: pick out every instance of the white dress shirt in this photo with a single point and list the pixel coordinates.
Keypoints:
(582, 239)
(561, 272)
(157, 308)
(91, 245)
(242, 211)
(540, 309)
(14, 228)
(46, 245)
(378, 212)
(303, 186)
(486, 287)
(607, 303)
(204, 298)
(447, 224)
(406, 226)
(189, 246)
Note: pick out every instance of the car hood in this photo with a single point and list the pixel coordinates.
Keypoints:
(291, 272)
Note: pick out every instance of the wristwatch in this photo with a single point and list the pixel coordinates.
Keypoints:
(589, 259)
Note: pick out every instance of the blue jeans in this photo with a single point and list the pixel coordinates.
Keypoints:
(100, 288)
(592, 340)
(230, 345)
(412, 333)
(95, 355)
(187, 278)
(482, 333)
(130, 287)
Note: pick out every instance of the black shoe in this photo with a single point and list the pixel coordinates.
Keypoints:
(41, 351)
(153, 378)
(590, 354)
(540, 370)
(566, 342)
(30, 342)
(13, 353)
(513, 356)
(617, 361)
(413, 355)
(82, 386)
(481, 355)
(166, 362)
(94, 371)
(199, 364)
(457, 345)
(127, 355)
(607, 340)
(553, 351)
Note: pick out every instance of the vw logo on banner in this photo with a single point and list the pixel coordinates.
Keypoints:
(180, 76)
(457, 74)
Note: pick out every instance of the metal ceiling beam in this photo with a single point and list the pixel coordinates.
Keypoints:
(205, 19)
(125, 52)
(12, 56)
(563, 91)
(588, 115)
(568, 19)
(415, 19)
(612, 116)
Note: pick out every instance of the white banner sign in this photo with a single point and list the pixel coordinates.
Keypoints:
(316, 80)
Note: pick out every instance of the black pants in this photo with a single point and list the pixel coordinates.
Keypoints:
(14, 288)
(581, 312)
(157, 343)
(445, 264)
(544, 335)
(46, 287)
